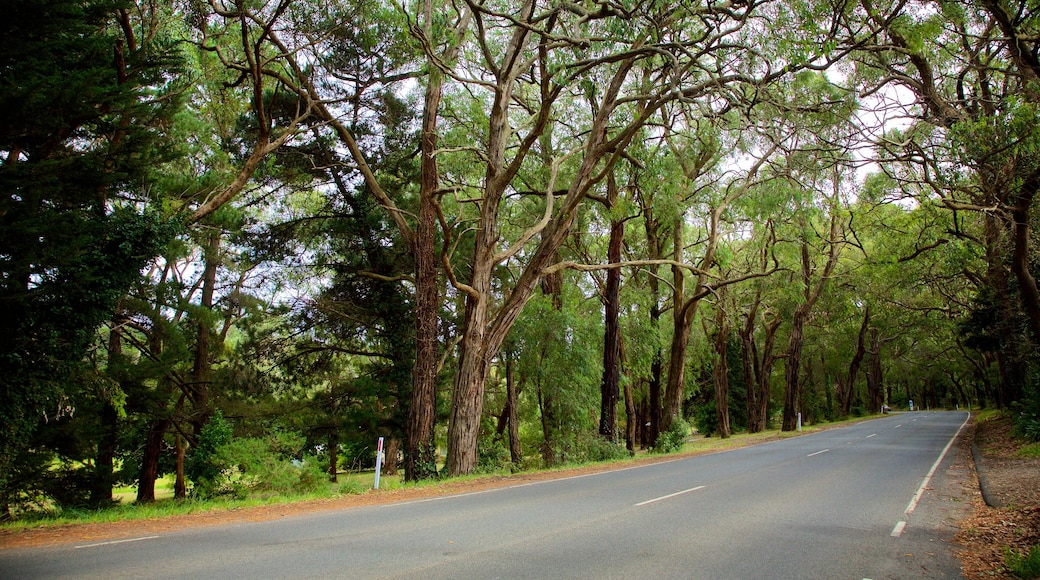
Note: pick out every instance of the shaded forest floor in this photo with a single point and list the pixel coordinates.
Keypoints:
(1008, 480)
(1011, 483)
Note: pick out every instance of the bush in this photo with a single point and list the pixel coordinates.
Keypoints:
(673, 439)
(260, 465)
(202, 466)
(1027, 419)
(596, 448)
(492, 456)
(707, 419)
(1026, 566)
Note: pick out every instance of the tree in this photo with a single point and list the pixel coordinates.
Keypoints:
(88, 92)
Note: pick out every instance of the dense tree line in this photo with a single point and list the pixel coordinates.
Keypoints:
(498, 233)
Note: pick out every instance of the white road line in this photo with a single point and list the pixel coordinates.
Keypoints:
(898, 426)
(818, 452)
(671, 495)
(898, 530)
(920, 491)
(869, 436)
(116, 542)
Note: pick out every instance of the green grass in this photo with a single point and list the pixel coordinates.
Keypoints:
(351, 483)
(1030, 451)
(1023, 565)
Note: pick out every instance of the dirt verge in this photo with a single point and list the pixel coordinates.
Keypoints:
(1012, 485)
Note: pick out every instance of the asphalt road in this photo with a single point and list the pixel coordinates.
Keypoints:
(856, 502)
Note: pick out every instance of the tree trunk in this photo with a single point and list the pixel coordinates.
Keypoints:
(765, 377)
(104, 462)
(874, 373)
(792, 391)
(333, 443)
(198, 392)
(420, 459)
(610, 385)
(845, 395)
(656, 364)
(516, 455)
(180, 486)
(545, 410)
(150, 461)
(631, 417)
(1020, 257)
(392, 456)
(750, 366)
(720, 374)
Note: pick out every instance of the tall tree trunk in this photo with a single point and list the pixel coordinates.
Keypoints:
(516, 455)
(420, 451)
(1020, 257)
(333, 443)
(682, 324)
(765, 377)
(792, 392)
(653, 402)
(811, 294)
(545, 410)
(198, 392)
(720, 374)
(632, 418)
(749, 364)
(874, 373)
(610, 384)
(845, 395)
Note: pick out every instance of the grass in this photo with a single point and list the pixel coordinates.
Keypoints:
(1023, 565)
(1030, 451)
(351, 483)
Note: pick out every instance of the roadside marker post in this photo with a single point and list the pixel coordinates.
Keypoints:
(799, 421)
(379, 460)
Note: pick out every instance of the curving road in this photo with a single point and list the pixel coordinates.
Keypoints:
(856, 502)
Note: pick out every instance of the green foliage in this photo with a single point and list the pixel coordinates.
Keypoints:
(492, 456)
(357, 455)
(598, 449)
(1023, 565)
(673, 439)
(1027, 418)
(203, 466)
(706, 419)
(262, 466)
(80, 138)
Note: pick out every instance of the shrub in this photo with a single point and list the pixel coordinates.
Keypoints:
(202, 466)
(492, 456)
(596, 448)
(673, 439)
(252, 465)
(1027, 419)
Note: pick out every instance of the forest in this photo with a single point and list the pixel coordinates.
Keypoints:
(242, 239)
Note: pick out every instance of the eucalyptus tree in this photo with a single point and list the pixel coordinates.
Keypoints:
(705, 188)
(970, 73)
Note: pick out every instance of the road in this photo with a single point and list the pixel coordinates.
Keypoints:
(855, 502)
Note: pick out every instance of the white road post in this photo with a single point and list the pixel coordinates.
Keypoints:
(799, 421)
(379, 460)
